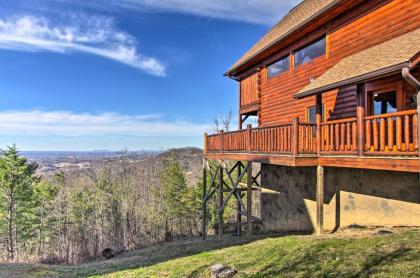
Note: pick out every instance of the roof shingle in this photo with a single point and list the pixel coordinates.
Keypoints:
(391, 55)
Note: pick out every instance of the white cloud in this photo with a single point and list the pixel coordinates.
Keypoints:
(253, 11)
(64, 123)
(93, 35)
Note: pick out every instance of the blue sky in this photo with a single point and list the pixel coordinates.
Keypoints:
(135, 74)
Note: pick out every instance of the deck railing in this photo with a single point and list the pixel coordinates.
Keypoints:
(339, 137)
(275, 139)
(392, 134)
(307, 138)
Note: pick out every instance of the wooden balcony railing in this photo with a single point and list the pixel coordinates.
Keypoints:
(275, 139)
(392, 134)
(307, 138)
(339, 137)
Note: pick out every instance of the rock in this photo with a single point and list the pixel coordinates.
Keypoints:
(384, 232)
(108, 253)
(227, 273)
(355, 226)
(222, 271)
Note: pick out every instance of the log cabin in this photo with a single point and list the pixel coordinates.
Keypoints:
(334, 88)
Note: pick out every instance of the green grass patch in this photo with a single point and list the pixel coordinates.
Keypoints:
(394, 255)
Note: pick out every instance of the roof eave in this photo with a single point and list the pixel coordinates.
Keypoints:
(354, 80)
(278, 40)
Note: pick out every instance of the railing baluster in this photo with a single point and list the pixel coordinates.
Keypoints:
(390, 134)
(398, 134)
(327, 134)
(375, 135)
(331, 137)
(406, 132)
(348, 143)
(415, 135)
(342, 137)
(354, 135)
(382, 133)
(368, 135)
(337, 137)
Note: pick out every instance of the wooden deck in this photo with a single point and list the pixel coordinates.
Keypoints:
(382, 142)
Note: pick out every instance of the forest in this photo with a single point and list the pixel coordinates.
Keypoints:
(126, 203)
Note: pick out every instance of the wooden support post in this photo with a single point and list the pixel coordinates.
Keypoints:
(205, 143)
(295, 136)
(238, 204)
(320, 200)
(418, 121)
(360, 114)
(249, 200)
(220, 200)
(204, 223)
(318, 123)
(249, 138)
(240, 121)
(221, 140)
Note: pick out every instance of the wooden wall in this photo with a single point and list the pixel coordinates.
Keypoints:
(359, 28)
(248, 89)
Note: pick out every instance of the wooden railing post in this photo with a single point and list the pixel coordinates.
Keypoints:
(221, 140)
(318, 123)
(295, 136)
(416, 124)
(205, 143)
(249, 138)
(360, 114)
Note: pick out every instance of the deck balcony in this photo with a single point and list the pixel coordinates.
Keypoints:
(382, 142)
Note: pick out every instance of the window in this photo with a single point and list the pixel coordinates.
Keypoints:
(310, 52)
(278, 67)
(311, 117)
(384, 103)
(311, 114)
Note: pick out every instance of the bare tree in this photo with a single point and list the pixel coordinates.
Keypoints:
(222, 122)
(216, 120)
(226, 120)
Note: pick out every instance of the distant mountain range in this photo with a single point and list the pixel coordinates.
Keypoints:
(79, 154)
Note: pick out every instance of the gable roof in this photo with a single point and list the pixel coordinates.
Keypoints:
(379, 60)
(296, 18)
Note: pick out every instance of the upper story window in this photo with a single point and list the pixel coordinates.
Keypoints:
(278, 67)
(310, 52)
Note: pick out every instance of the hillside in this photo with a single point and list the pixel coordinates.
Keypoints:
(348, 253)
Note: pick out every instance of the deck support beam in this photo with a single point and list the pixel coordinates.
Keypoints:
(219, 180)
(204, 222)
(320, 200)
(220, 200)
(249, 199)
(238, 202)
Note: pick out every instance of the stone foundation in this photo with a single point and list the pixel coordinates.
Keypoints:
(352, 196)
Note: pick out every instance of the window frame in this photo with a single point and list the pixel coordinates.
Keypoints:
(373, 89)
(324, 116)
(287, 56)
(325, 54)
